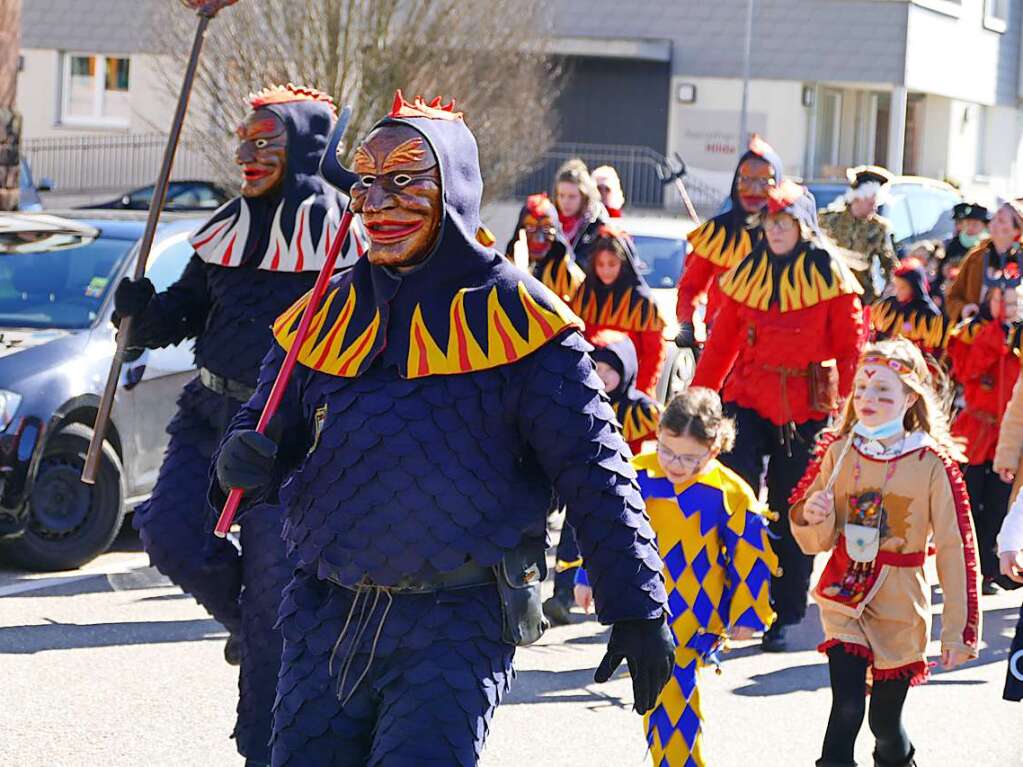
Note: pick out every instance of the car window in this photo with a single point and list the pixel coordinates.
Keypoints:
(927, 208)
(896, 210)
(660, 259)
(168, 260)
(56, 280)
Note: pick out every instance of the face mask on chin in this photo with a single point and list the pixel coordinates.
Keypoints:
(882, 431)
(969, 240)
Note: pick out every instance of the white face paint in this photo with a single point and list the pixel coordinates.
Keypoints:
(879, 396)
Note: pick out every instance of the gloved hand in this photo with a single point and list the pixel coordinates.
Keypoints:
(647, 646)
(246, 461)
(686, 338)
(131, 298)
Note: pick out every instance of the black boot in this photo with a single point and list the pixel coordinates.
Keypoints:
(557, 611)
(774, 639)
(910, 760)
(829, 763)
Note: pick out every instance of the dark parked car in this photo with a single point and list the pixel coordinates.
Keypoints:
(919, 208)
(56, 343)
(181, 196)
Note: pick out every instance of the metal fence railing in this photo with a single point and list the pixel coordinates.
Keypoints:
(636, 166)
(83, 163)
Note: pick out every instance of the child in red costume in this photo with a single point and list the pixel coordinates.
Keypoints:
(615, 296)
(723, 241)
(985, 362)
(789, 330)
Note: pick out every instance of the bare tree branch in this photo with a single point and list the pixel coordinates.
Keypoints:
(491, 55)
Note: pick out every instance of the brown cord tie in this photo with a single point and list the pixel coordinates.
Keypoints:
(362, 601)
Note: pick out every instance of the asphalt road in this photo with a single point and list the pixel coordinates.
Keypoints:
(113, 666)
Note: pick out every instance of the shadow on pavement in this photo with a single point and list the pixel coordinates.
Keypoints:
(545, 686)
(28, 640)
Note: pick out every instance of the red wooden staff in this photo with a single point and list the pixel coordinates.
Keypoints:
(331, 170)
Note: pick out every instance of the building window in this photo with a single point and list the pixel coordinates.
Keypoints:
(94, 91)
(948, 7)
(996, 15)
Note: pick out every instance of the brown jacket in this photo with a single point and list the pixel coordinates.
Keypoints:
(1009, 453)
(922, 496)
(968, 285)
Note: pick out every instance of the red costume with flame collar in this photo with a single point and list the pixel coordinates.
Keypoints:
(723, 241)
(786, 339)
(626, 305)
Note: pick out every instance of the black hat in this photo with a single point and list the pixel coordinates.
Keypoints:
(968, 210)
(866, 174)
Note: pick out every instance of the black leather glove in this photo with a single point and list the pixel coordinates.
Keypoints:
(686, 338)
(647, 646)
(131, 298)
(247, 461)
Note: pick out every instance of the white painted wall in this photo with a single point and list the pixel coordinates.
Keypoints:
(39, 97)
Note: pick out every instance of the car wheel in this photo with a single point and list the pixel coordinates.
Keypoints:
(70, 522)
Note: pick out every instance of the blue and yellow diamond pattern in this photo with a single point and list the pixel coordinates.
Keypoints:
(718, 563)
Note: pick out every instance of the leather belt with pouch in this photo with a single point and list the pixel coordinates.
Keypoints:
(823, 386)
(225, 386)
(519, 575)
(467, 576)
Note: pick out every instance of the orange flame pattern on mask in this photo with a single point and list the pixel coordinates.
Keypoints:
(288, 94)
(435, 110)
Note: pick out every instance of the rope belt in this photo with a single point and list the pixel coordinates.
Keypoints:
(236, 390)
(367, 599)
(787, 432)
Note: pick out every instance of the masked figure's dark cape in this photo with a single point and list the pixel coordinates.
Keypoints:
(627, 304)
(636, 412)
(918, 320)
(465, 308)
(727, 238)
(289, 230)
(557, 269)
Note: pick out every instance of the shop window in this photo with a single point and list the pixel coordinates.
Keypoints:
(94, 90)
(996, 15)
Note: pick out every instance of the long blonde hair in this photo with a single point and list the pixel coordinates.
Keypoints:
(925, 414)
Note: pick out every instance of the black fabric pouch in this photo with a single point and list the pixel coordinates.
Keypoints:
(519, 576)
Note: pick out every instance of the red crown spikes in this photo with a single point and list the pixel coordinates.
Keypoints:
(781, 197)
(759, 147)
(435, 110)
(287, 94)
(540, 205)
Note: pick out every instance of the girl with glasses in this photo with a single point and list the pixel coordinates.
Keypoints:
(712, 535)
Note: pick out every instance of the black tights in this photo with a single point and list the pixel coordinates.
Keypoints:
(848, 705)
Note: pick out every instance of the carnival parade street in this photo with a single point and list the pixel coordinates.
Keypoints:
(141, 676)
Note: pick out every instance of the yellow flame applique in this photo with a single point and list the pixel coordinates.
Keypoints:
(325, 349)
(718, 244)
(464, 353)
(563, 278)
(928, 330)
(811, 278)
(617, 311)
(638, 421)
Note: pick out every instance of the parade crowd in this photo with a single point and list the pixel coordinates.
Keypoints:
(449, 399)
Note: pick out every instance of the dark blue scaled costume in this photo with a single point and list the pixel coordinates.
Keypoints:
(253, 258)
(442, 407)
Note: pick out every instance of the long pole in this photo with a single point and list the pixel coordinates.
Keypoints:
(744, 115)
(92, 459)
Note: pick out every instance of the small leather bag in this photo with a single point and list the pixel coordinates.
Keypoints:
(823, 386)
(519, 575)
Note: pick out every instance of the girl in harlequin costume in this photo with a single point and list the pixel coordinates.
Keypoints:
(723, 241)
(551, 259)
(884, 484)
(985, 361)
(615, 296)
(718, 562)
(784, 348)
(580, 211)
(255, 256)
(638, 415)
